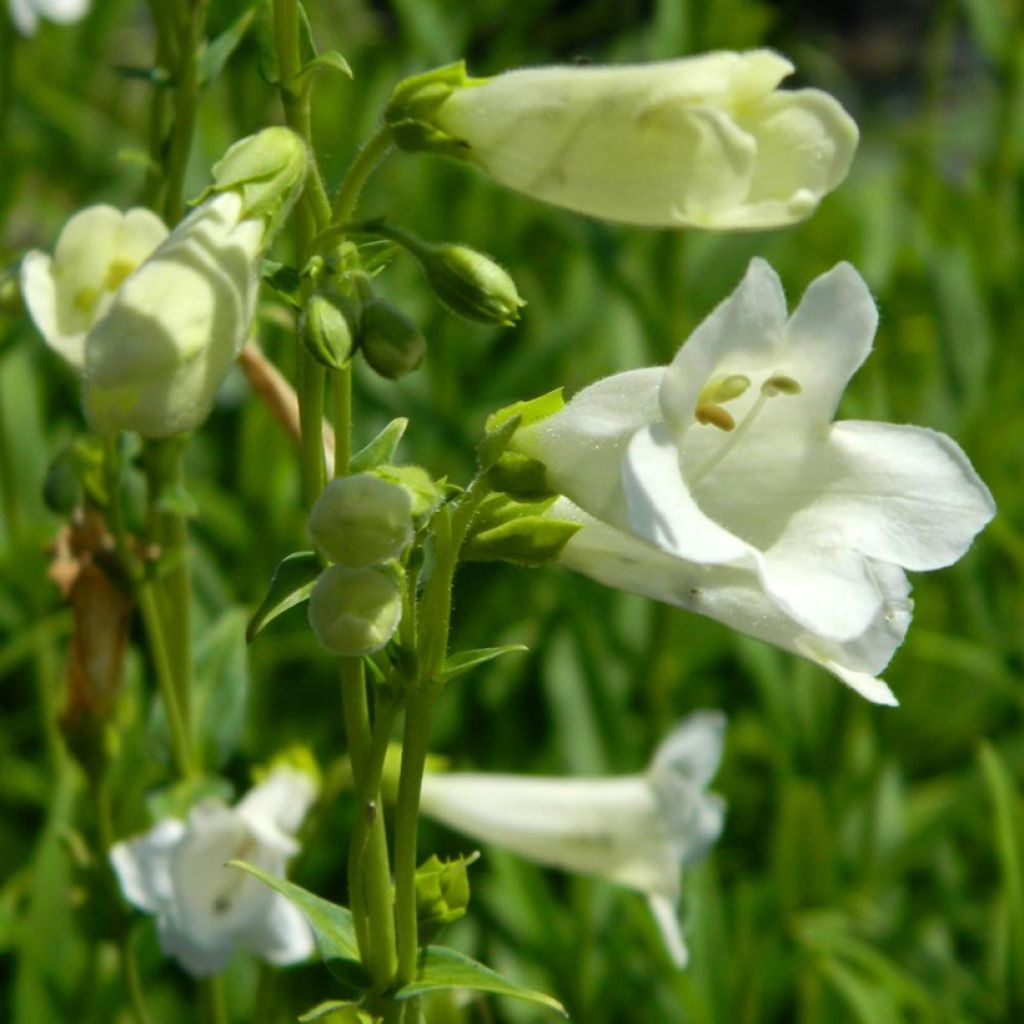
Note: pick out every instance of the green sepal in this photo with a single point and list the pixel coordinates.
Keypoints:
(328, 326)
(495, 442)
(520, 475)
(285, 280)
(381, 449)
(520, 532)
(335, 1011)
(442, 893)
(332, 925)
(217, 52)
(530, 411)
(414, 102)
(290, 585)
(465, 661)
(441, 968)
(176, 800)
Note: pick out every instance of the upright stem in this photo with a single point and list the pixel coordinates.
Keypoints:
(342, 419)
(214, 1008)
(369, 870)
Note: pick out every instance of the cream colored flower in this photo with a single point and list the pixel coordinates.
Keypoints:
(707, 141)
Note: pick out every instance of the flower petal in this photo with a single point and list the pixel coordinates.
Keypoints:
(283, 936)
(666, 916)
(143, 865)
(903, 494)
(693, 750)
(200, 959)
(582, 445)
(39, 291)
(829, 337)
(662, 509)
(280, 801)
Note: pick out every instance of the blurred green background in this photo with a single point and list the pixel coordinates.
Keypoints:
(871, 866)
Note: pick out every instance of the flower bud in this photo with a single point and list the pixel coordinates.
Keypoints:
(391, 341)
(471, 284)
(361, 520)
(355, 611)
(268, 170)
(414, 102)
(327, 329)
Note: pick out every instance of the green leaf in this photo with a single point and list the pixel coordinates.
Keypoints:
(290, 585)
(339, 1012)
(222, 686)
(217, 52)
(442, 968)
(285, 280)
(381, 449)
(462, 662)
(331, 60)
(332, 925)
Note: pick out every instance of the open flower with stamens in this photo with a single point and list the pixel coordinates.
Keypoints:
(204, 909)
(636, 830)
(720, 483)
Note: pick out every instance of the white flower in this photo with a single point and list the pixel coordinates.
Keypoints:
(68, 293)
(26, 13)
(636, 831)
(205, 910)
(703, 141)
(154, 362)
(721, 484)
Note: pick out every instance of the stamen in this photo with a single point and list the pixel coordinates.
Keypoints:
(713, 415)
(116, 273)
(724, 389)
(780, 385)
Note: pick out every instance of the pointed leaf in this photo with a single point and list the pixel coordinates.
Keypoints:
(442, 968)
(528, 412)
(381, 449)
(290, 585)
(495, 441)
(332, 925)
(466, 660)
(285, 280)
(331, 60)
(347, 1013)
(212, 60)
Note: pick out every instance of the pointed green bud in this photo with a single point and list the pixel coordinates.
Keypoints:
(355, 611)
(471, 284)
(426, 494)
(326, 327)
(410, 112)
(442, 893)
(268, 170)
(391, 341)
(361, 520)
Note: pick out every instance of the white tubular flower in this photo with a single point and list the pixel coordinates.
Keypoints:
(636, 831)
(204, 909)
(706, 142)
(26, 13)
(66, 294)
(154, 362)
(720, 483)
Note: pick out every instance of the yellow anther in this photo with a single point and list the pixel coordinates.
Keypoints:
(780, 385)
(724, 389)
(708, 413)
(116, 273)
(85, 299)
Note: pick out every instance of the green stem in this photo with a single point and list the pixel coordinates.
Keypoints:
(166, 60)
(415, 743)
(215, 1009)
(342, 419)
(189, 19)
(369, 870)
(130, 967)
(365, 163)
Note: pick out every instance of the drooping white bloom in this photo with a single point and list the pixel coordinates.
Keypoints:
(720, 483)
(26, 13)
(204, 909)
(66, 294)
(153, 321)
(705, 141)
(636, 831)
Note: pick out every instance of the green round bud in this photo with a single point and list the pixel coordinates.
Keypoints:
(391, 341)
(362, 520)
(327, 329)
(355, 611)
(471, 284)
